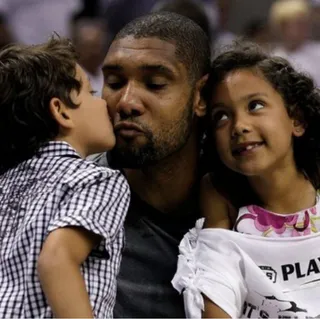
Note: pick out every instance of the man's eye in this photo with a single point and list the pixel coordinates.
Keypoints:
(113, 81)
(255, 105)
(155, 86)
(114, 85)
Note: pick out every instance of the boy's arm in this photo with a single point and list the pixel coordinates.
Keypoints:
(214, 207)
(58, 267)
(95, 202)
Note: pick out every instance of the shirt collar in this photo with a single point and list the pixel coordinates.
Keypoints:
(57, 148)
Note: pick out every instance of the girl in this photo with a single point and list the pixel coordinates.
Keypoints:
(264, 148)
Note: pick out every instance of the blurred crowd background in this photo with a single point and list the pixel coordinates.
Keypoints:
(289, 28)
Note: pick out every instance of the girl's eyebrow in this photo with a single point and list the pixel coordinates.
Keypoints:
(244, 98)
(253, 95)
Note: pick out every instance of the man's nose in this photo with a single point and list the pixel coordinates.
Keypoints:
(130, 103)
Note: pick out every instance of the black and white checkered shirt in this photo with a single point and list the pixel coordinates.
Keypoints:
(56, 189)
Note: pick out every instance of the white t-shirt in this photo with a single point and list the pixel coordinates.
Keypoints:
(249, 276)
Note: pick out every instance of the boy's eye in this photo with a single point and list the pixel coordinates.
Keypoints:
(255, 105)
(93, 92)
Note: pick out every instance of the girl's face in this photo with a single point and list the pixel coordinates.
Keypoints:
(252, 130)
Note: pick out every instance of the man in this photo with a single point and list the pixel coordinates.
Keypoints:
(291, 21)
(153, 76)
(33, 21)
(188, 8)
(89, 37)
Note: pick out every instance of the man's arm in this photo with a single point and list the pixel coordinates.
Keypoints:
(58, 267)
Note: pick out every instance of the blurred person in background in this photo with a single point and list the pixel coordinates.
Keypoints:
(33, 21)
(291, 21)
(119, 12)
(315, 17)
(191, 9)
(5, 35)
(89, 37)
(257, 31)
(218, 12)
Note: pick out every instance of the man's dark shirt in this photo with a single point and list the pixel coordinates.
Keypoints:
(149, 260)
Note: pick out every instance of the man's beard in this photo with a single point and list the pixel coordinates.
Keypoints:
(167, 142)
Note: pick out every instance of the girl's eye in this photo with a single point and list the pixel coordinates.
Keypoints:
(255, 105)
(220, 117)
(94, 92)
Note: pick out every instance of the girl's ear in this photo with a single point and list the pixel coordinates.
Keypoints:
(299, 128)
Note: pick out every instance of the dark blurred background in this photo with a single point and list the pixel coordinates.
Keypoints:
(290, 28)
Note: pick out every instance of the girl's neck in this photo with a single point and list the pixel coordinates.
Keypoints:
(284, 192)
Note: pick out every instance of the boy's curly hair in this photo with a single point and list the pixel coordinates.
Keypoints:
(30, 76)
(302, 100)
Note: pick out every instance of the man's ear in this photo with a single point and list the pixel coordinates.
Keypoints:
(200, 105)
(61, 113)
(298, 128)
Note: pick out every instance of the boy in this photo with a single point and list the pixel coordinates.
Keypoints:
(61, 217)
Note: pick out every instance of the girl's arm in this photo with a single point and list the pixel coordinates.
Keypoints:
(211, 310)
(58, 267)
(215, 208)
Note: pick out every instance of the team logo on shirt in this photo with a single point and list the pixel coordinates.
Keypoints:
(270, 273)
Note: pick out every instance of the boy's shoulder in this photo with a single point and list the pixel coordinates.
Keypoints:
(101, 159)
(92, 172)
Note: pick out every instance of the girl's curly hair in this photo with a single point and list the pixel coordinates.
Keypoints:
(30, 76)
(302, 100)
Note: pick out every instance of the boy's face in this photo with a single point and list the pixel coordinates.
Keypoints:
(93, 131)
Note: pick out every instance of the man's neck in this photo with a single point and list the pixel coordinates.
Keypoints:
(168, 184)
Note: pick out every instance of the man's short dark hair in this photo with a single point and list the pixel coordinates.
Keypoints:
(30, 76)
(192, 44)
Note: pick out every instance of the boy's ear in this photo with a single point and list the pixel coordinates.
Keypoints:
(200, 106)
(61, 113)
(299, 128)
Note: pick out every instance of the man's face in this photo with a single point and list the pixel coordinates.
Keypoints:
(150, 99)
